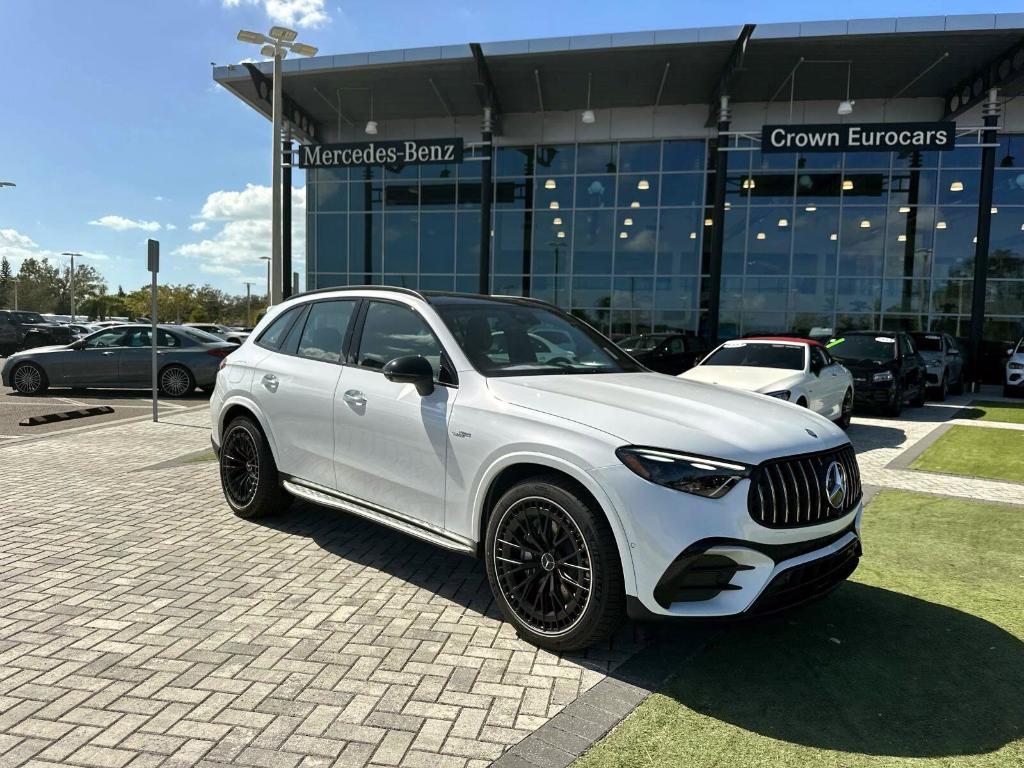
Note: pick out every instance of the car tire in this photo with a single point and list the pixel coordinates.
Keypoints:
(571, 594)
(29, 379)
(943, 390)
(248, 472)
(895, 408)
(845, 411)
(918, 400)
(176, 381)
(802, 402)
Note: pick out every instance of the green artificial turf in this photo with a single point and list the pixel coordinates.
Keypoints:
(977, 452)
(1011, 413)
(918, 662)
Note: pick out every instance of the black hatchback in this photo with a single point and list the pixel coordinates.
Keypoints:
(887, 368)
(670, 353)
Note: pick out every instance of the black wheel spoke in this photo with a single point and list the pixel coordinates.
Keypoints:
(239, 466)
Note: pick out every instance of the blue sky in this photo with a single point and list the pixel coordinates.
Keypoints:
(114, 131)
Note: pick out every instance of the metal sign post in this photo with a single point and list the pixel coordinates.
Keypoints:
(154, 268)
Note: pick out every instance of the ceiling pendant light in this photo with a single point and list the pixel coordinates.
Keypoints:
(709, 222)
(956, 186)
(561, 234)
(643, 185)
(940, 225)
(557, 221)
(553, 205)
(847, 185)
(627, 222)
(811, 208)
(901, 238)
(994, 209)
(904, 209)
(371, 124)
(833, 236)
(635, 204)
(623, 235)
(761, 235)
(550, 184)
(783, 222)
(864, 223)
(846, 105)
(588, 114)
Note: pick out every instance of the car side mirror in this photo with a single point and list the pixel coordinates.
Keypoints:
(411, 369)
(1009, 352)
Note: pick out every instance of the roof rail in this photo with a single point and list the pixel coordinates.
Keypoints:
(395, 288)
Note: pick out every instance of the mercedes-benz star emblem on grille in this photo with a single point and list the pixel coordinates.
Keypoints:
(835, 484)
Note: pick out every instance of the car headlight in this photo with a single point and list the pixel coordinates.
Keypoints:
(782, 394)
(935, 364)
(699, 475)
(1015, 366)
(882, 376)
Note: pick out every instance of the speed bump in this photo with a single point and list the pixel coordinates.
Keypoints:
(53, 418)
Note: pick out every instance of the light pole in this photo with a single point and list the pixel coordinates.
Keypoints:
(72, 255)
(267, 259)
(15, 281)
(248, 304)
(276, 45)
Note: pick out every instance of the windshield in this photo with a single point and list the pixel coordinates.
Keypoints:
(880, 348)
(928, 342)
(759, 355)
(28, 317)
(640, 343)
(506, 339)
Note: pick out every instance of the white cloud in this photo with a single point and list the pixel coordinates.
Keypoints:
(160, 198)
(199, 226)
(293, 13)
(16, 247)
(170, 227)
(122, 224)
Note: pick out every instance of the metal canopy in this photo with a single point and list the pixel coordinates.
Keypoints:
(631, 70)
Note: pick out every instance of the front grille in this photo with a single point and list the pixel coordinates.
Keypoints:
(791, 492)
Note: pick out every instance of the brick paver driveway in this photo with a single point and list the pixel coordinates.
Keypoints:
(142, 624)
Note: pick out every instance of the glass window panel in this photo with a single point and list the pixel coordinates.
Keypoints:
(908, 242)
(513, 193)
(438, 171)
(780, 161)
(469, 168)
(859, 295)
(768, 188)
(365, 195)
(808, 323)
(962, 157)
(639, 191)
(856, 322)
(597, 318)
(332, 196)
(469, 194)
(311, 243)
(686, 155)
(1006, 244)
(329, 174)
(553, 190)
(1010, 153)
(595, 191)
(952, 297)
(634, 253)
(514, 161)
(915, 158)
(324, 331)
(552, 242)
(633, 292)
(954, 241)
(555, 159)
(596, 158)
(639, 156)
(391, 331)
(437, 282)
(812, 295)
(507, 285)
(765, 294)
(437, 195)
(732, 293)
(591, 291)
(819, 188)
(467, 248)
(630, 323)
(1008, 185)
(682, 189)
(593, 242)
(820, 161)
(1004, 297)
(401, 238)
(467, 284)
(511, 244)
(815, 240)
(865, 188)
(734, 241)
(679, 239)
(905, 322)
(437, 242)
(402, 195)
(729, 323)
(768, 241)
(401, 171)
(554, 289)
(957, 187)
(904, 296)
(364, 251)
(331, 248)
(862, 241)
(764, 322)
(913, 186)
(311, 196)
(874, 160)
(676, 293)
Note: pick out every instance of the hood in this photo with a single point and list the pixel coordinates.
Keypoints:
(661, 411)
(37, 350)
(750, 378)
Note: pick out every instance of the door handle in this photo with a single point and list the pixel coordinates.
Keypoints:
(355, 397)
(106, 354)
(270, 382)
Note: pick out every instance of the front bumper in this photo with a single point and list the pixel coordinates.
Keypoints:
(871, 394)
(695, 557)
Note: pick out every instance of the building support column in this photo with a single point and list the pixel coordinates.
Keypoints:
(989, 135)
(718, 221)
(286, 215)
(486, 199)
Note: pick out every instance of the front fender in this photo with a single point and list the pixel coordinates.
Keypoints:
(250, 405)
(578, 474)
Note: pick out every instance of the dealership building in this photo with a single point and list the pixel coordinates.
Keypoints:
(728, 180)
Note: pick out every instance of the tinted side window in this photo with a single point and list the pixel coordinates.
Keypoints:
(675, 346)
(165, 339)
(906, 345)
(391, 331)
(324, 334)
(275, 333)
(106, 339)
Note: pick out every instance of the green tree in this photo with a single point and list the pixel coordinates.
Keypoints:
(38, 285)
(6, 283)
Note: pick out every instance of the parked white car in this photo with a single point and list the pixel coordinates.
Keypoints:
(1014, 383)
(795, 370)
(590, 486)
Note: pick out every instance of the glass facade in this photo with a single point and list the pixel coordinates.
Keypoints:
(618, 233)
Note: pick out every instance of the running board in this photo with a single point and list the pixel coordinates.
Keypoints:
(329, 498)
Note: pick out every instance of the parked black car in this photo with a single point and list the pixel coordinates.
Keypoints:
(670, 353)
(24, 330)
(887, 368)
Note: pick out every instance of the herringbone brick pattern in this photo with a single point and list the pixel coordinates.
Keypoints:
(141, 624)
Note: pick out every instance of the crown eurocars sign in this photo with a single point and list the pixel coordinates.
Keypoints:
(858, 137)
(408, 152)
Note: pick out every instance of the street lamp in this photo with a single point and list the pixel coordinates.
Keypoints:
(72, 255)
(267, 259)
(276, 45)
(15, 281)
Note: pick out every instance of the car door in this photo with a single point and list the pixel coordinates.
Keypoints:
(8, 334)
(296, 384)
(911, 365)
(833, 383)
(392, 442)
(135, 363)
(95, 362)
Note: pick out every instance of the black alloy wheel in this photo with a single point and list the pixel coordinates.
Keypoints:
(846, 411)
(895, 406)
(553, 565)
(29, 379)
(248, 473)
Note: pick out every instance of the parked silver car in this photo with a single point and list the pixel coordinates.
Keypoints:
(227, 333)
(120, 357)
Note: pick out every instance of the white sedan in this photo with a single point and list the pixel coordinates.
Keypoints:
(797, 370)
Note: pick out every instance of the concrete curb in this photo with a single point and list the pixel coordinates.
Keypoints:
(909, 456)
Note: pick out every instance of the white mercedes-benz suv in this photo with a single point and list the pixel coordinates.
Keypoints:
(590, 486)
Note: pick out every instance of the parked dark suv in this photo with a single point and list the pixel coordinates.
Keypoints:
(670, 353)
(886, 366)
(24, 330)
